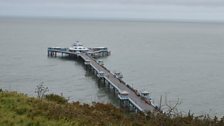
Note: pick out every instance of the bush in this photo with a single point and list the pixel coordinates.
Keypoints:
(41, 90)
(56, 98)
(21, 111)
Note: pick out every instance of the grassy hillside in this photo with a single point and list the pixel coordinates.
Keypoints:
(21, 110)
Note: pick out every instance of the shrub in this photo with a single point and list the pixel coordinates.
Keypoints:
(56, 98)
(21, 111)
(41, 90)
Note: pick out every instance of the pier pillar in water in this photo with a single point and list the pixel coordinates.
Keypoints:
(131, 107)
(95, 72)
(114, 90)
(104, 81)
(87, 63)
(108, 86)
(91, 69)
(123, 96)
(100, 76)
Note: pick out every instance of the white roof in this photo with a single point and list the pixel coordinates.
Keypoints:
(56, 47)
(124, 92)
(145, 92)
(78, 48)
(101, 72)
(100, 47)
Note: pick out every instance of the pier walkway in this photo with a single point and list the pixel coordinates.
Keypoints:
(129, 97)
(120, 86)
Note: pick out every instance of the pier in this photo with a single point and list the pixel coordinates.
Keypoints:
(129, 98)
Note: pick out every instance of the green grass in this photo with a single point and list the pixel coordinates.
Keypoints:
(20, 110)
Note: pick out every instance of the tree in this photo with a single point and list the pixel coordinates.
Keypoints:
(41, 90)
(170, 108)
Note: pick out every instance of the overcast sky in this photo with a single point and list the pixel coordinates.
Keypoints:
(182, 10)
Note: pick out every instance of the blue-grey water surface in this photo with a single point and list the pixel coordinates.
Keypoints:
(180, 60)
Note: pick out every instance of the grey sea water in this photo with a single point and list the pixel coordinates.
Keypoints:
(180, 60)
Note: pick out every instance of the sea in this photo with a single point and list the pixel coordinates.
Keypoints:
(175, 60)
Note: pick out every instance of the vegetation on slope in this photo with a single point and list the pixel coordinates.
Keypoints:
(21, 110)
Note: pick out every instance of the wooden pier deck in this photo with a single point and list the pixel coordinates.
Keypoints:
(132, 98)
